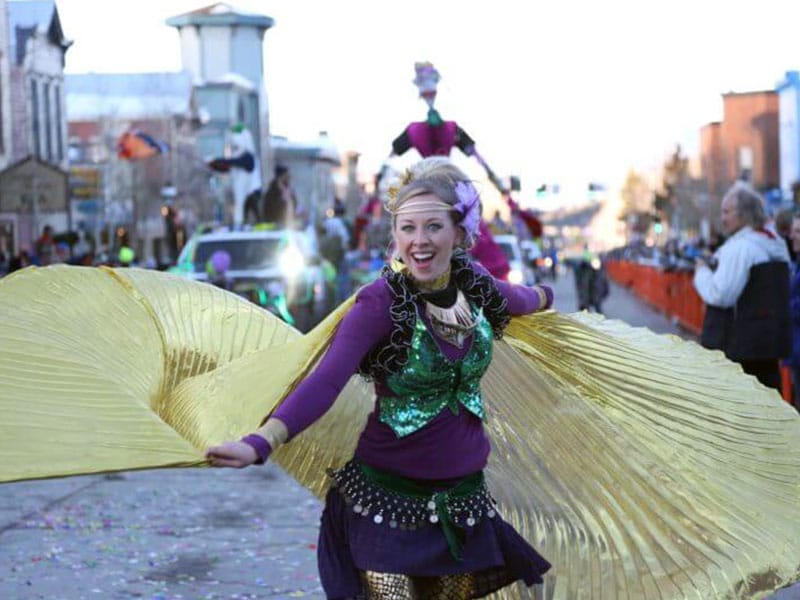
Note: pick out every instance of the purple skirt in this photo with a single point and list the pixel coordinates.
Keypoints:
(348, 543)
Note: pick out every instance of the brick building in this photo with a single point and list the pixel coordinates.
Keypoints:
(743, 145)
(749, 135)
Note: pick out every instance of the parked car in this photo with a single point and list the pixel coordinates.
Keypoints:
(272, 268)
(520, 272)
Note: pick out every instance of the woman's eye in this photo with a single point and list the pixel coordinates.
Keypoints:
(407, 228)
(435, 226)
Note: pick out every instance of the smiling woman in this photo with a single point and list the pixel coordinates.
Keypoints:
(423, 333)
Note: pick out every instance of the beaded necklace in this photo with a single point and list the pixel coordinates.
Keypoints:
(448, 310)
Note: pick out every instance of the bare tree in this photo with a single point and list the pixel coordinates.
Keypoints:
(637, 202)
(637, 197)
(680, 197)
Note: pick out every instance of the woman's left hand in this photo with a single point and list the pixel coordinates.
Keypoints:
(236, 455)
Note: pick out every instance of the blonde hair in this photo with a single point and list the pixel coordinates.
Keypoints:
(435, 175)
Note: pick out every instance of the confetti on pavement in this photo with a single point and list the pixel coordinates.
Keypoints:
(161, 535)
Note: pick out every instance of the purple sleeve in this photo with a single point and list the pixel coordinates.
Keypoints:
(522, 300)
(366, 324)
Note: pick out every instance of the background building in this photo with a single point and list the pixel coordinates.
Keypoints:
(222, 49)
(32, 192)
(125, 197)
(8, 241)
(788, 90)
(749, 133)
(744, 145)
(311, 165)
(5, 89)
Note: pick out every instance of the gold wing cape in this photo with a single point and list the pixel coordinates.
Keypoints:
(641, 466)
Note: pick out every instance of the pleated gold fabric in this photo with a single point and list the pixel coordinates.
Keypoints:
(655, 468)
(641, 466)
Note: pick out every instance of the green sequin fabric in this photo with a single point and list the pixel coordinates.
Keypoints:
(480, 290)
(430, 381)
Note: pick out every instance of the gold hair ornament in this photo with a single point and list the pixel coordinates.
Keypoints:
(393, 190)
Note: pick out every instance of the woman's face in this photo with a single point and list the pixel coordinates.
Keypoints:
(426, 240)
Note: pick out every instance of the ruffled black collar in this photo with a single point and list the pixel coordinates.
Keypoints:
(444, 298)
(480, 290)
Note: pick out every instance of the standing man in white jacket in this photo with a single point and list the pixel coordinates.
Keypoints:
(746, 289)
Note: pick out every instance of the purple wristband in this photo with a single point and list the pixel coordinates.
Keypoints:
(260, 445)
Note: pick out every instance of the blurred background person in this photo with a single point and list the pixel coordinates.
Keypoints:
(280, 202)
(794, 306)
(745, 287)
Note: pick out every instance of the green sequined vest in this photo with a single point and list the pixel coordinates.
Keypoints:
(430, 381)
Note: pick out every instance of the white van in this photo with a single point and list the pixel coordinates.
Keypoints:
(520, 272)
(271, 267)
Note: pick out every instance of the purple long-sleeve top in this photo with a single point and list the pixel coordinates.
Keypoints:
(449, 446)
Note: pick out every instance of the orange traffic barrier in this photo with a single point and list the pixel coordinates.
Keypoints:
(672, 293)
(786, 383)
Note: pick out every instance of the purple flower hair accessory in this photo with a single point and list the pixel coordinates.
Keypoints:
(469, 207)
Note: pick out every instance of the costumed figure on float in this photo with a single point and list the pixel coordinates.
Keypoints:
(437, 137)
(242, 164)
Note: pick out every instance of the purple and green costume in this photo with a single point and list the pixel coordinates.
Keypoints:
(413, 500)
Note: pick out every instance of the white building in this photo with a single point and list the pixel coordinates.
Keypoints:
(5, 89)
(222, 49)
(37, 51)
(8, 243)
(788, 90)
(33, 188)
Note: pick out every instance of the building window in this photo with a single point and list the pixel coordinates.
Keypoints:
(37, 148)
(48, 122)
(59, 124)
(745, 163)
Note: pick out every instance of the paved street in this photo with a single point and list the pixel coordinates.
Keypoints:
(192, 533)
(620, 304)
(164, 534)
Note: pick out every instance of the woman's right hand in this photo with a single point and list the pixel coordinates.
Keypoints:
(236, 455)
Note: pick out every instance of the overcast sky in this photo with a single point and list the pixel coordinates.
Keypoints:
(558, 91)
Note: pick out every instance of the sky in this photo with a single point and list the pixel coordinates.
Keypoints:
(553, 91)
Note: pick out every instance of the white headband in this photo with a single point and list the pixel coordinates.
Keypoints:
(419, 206)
